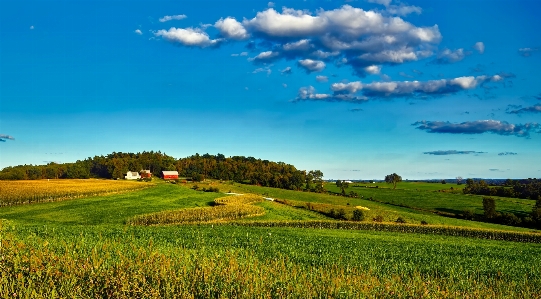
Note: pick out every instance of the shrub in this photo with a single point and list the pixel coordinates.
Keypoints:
(378, 218)
(400, 220)
(424, 222)
(468, 214)
(358, 215)
(341, 214)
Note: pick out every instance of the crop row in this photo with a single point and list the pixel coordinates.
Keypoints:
(226, 208)
(402, 228)
(39, 271)
(26, 192)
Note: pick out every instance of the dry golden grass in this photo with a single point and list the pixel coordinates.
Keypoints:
(227, 208)
(25, 192)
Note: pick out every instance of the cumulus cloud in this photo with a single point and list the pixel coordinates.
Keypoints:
(480, 47)
(309, 94)
(137, 31)
(527, 52)
(413, 88)
(261, 69)
(190, 37)
(3, 138)
(478, 127)
(452, 152)
(170, 18)
(346, 35)
(448, 56)
(507, 154)
(231, 28)
(310, 65)
(531, 109)
(264, 57)
(322, 79)
(373, 69)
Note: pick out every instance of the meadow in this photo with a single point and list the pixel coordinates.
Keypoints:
(86, 247)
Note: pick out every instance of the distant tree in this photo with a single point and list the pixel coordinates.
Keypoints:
(343, 185)
(443, 182)
(459, 180)
(489, 207)
(358, 215)
(393, 179)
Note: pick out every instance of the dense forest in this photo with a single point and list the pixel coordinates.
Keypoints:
(115, 165)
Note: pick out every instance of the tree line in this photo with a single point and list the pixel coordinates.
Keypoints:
(115, 165)
(526, 189)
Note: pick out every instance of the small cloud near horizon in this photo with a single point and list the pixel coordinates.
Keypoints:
(452, 152)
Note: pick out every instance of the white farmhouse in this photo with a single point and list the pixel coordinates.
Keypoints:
(132, 175)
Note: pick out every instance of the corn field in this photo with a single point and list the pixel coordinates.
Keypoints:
(36, 191)
(226, 208)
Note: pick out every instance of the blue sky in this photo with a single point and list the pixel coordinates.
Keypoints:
(357, 89)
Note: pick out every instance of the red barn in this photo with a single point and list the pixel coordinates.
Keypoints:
(145, 173)
(170, 175)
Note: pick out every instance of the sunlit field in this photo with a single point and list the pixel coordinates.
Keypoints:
(21, 192)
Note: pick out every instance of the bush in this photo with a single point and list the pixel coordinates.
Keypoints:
(400, 220)
(378, 218)
(358, 215)
(195, 187)
(341, 214)
(468, 214)
(424, 222)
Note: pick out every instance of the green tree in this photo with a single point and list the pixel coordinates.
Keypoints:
(343, 185)
(393, 179)
(489, 207)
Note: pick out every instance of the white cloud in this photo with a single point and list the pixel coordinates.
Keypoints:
(231, 28)
(188, 37)
(170, 18)
(351, 87)
(322, 79)
(345, 35)
(480, 47)
(270, 4)
(265, 56)
(260, 70)
(403, 10)
(413, 88)
(312, 65)
(137, 31)
(309, 93)
(32, 27)
(382, 2)
(373, 69)
(301, 45)
(240, 54)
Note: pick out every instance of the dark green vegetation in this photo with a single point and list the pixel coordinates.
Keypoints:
(83, 248)
(115, 165)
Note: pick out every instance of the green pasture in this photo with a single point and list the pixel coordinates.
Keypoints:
(83, 247)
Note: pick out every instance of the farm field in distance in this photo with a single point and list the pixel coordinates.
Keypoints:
(85, 248)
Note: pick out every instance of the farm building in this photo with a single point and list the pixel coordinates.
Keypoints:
(132, 175)
(170, 175)
(145, 173)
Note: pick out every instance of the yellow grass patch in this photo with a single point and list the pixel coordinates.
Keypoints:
(24, 192)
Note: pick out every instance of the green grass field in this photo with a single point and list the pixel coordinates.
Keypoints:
(83, 248)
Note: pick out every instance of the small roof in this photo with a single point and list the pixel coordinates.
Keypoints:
(166, 172)
(145, 170)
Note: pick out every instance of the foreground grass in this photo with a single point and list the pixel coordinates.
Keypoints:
(82, 248)
(248, 262)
